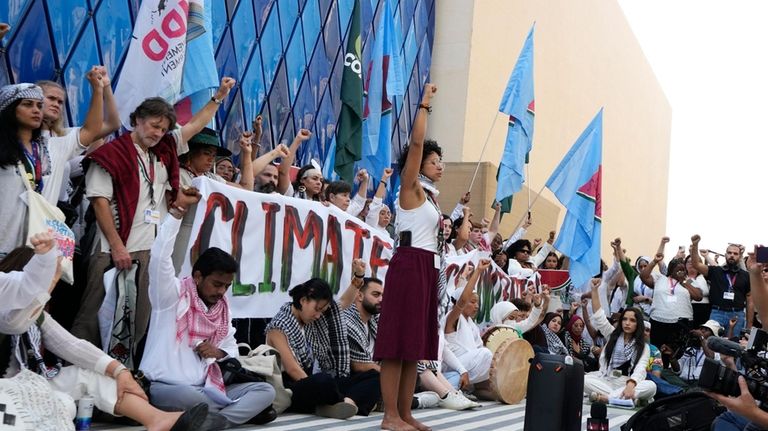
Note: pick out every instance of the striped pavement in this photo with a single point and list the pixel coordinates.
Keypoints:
(492, 416)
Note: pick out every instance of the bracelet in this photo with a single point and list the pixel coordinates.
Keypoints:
(359, 276)
(383, 182)
(217, 101)
(426, 107)
(119, 369)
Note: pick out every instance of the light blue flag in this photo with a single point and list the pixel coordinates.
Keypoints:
(518, 103)
(576, 182)
(330, 160)
(200, 74)
(385, 82)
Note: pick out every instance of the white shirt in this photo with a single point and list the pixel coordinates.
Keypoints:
(423, 222)
(670, 305)
(61, 149)
(99, 184)
(25, 293)
(165, 359)
(691, 363)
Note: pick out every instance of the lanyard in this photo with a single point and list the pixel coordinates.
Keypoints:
(36, 176)
(672, 284)
(149, 176)
(731, 279)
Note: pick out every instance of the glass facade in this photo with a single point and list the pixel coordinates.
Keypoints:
(286, 56)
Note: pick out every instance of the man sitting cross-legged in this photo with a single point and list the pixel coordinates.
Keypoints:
(190, 331)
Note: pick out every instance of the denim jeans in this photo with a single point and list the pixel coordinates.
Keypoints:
(723, 317)
(730, 421)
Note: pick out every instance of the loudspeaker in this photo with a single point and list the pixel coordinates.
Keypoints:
(555, 394)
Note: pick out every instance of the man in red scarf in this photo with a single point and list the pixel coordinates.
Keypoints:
(130, 182)
(191, 332)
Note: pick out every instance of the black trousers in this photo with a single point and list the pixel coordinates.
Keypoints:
(323, 389)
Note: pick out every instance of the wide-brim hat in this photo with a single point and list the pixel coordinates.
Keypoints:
(208, 137)
(714, 326)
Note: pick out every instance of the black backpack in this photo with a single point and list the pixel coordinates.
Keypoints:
(692, 411)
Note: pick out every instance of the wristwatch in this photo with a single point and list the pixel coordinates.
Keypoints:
(217, 101)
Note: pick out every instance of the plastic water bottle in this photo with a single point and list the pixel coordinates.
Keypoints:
(84, 413)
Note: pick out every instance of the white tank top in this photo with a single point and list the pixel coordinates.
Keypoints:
(423, 222)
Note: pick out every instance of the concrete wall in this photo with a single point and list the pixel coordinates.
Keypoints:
(586, 56)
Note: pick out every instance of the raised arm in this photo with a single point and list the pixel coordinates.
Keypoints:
(702, 268)
(466, 296)
(246, 163)
(357, 203)
(493, 229)
(284, 170)
(258, 165)
(411, 194)
(111, 115)
(462, 234)
(93, 120)
(205, 115)
(757, 286)
(258, 130)
(381, 190)
(358, 274)
(645, 274)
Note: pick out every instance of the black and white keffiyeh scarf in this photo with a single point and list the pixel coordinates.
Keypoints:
(444, 301)
(622, 352)
(325, 339)
(359, 333)
(554, 343)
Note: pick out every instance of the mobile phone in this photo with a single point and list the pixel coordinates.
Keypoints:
(761, 254)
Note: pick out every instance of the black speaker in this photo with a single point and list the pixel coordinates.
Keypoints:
(555, 394)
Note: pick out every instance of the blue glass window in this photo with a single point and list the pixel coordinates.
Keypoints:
(244, 33)
(113, 25)
(271, 47)
(226, 63)
(66, 24)
(279, 103)
(304, 108)
(253, 87)
(324, 6)
(425, 59)
(10, 12)
(310, 18)
(31, 53)
(295, 62)
(336, 82)
(267, 141)
(261, 10)
(83, 58)
(289, 11)
(411, 50)
(218, 22)
(234, 125)
(319, 71)
(331, 35)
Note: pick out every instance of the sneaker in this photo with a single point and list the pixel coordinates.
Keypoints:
(340, 410)
(455, 401)
(427, 399)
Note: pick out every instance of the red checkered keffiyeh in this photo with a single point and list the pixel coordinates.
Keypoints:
(201, 324)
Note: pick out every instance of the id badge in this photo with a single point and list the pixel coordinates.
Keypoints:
(151, 216)
(728, 295)
(437, 261)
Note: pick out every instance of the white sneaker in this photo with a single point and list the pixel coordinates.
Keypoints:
(455, 401)
(427, 399)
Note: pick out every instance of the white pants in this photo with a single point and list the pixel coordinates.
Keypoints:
(76, 382)
(612, 387)
(478, 364)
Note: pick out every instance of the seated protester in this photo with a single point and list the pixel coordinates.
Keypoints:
(521, 319)
(447, 386)
(309, 179)
(91, 372)
(625, 352)
(688, 367)
(618, 294)
(579, 347)
(314, 350)
(361, 320)
(655, 369)
(25, 292)
(672, 309)
(337, 193)
(463, 336)
(127, 183)
(552, 326)
(190, 333)
(521, 264)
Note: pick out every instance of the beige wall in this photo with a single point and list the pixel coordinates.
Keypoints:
(585, 57)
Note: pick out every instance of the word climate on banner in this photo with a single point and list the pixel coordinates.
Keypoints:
(280, 242)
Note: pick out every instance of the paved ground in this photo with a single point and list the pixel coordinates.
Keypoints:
(492, 416)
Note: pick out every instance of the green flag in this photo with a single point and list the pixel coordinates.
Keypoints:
(349, 130)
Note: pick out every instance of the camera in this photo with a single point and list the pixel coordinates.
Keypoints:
(720, 379)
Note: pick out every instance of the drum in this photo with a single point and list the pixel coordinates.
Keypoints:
(509, 370)
(493, 338)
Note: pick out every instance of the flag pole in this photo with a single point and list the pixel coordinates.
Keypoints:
(487, 138)
(530, 205)
(528, 181)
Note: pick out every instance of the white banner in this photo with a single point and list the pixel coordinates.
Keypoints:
(155, 60)
(281, 242)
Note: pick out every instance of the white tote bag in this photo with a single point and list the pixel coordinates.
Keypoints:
(44, 217)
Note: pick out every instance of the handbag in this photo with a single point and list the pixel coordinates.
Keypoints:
(264, 361)
(233, 373)
(44, 217)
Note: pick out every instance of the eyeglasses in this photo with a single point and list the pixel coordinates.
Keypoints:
(765, 269)
(525, 251)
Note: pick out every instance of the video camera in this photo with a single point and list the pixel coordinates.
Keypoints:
(720, 379)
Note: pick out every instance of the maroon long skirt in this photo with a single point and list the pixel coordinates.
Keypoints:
(408, 328)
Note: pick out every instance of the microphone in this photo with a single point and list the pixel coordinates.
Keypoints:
(725, 347)
(598, 420)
